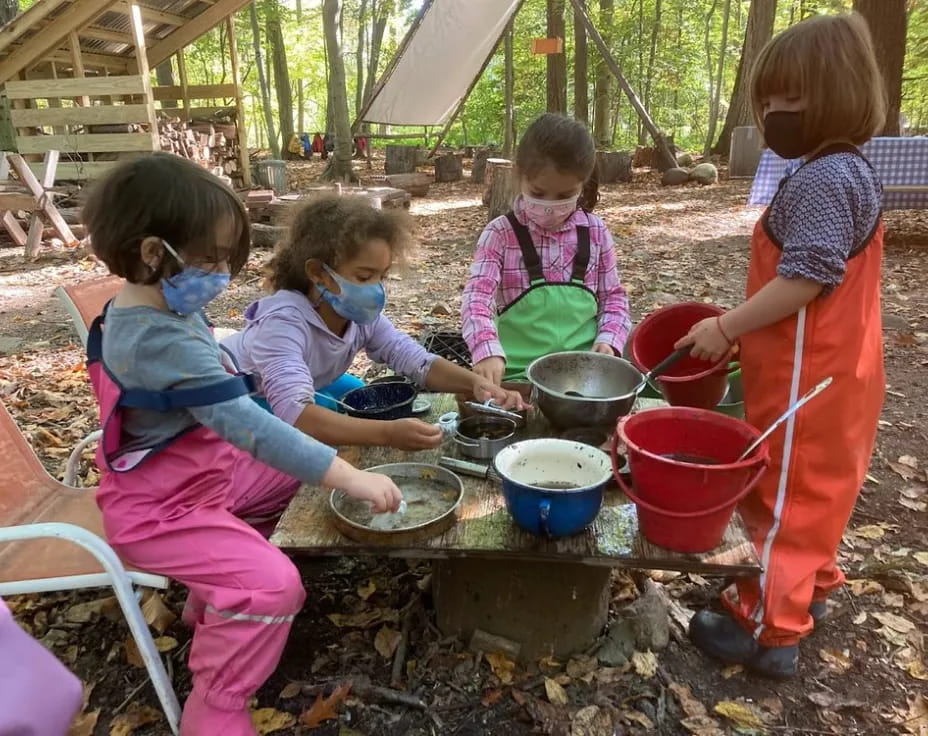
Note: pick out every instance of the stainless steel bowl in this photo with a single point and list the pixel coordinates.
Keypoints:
(583, 389)
(481, 436)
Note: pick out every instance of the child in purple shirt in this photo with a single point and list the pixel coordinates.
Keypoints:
(327, 306)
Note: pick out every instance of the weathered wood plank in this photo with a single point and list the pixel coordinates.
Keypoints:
(100, 143)
(91, 86)
(194, 92)
(79, 171)
(485, 528)
(93, 115)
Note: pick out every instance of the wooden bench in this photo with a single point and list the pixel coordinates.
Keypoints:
(491, 575)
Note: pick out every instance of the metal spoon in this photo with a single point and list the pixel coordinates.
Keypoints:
(807, 397)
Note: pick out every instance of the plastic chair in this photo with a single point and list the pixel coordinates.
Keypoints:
(85, 300)
(41, 521)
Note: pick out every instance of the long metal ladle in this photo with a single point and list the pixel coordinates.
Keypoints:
(806, 398)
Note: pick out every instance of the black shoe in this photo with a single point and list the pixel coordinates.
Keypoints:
(720, 636)
(819, 612)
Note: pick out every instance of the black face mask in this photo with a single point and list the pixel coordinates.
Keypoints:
(783, 134)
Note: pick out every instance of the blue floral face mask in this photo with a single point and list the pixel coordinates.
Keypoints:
(361, 303)
(193, 288)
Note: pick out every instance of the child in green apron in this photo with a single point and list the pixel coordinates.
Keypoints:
(544, 278)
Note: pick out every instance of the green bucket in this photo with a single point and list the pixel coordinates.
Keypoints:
(732, 402)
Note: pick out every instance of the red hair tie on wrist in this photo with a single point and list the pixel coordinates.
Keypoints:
(718, 323)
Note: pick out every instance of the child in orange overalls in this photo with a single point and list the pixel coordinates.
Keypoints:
(813, 310)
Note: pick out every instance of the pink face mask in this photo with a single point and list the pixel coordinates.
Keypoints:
(549, 213)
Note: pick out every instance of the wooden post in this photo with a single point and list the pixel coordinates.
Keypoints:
(182, 73)
(660, 143)
(501, 189)
(56, 102)
(141, 54)
(509, 134)
(78, 62)
(240, 129)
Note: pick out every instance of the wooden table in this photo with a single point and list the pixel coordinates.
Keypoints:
(493, 576)
(486, 530)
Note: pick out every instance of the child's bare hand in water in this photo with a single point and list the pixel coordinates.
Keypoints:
(378, 489)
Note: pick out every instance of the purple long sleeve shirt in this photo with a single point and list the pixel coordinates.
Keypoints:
(292, 353)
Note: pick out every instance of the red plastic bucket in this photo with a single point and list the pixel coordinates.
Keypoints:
(691, 382)
(686, 506)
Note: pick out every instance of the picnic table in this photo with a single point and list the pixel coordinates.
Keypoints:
(902, 164)
(490, 575)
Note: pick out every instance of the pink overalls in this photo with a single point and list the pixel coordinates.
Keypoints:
(178, 510)
(29, 673)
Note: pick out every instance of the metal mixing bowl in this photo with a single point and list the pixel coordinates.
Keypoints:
(583, 389)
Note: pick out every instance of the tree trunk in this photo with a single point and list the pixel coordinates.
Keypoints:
(164, 72)
(9, 9)
(642, 136)
(380, 14)
(759, 31)
(262, 82)
(649, 74)
(888, 24)
(719, 78)
(581, 64)
(300, 113)
(501, 190)
(359, 58)
(556, 63)
(710, 70)
(602, 131)
(509, 133)
(281, 74)
(340, 166)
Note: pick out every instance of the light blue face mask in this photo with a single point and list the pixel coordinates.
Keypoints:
(193, 288)
(361, 303)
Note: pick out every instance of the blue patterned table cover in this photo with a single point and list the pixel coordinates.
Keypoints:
(898, 161)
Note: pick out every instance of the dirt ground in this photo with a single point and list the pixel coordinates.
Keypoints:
(863, 672)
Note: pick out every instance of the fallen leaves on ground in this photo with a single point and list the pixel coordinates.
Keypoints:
(916, 720)
(165, 644)
(645, 663)
(894, 622)
(556, 694)
(135, 717)
(502, 666)
(365, 619)
(325, 709)
(386, 641)
(157, 615)
(838, 661)
(291, 690)
(833, 701)
(367, 590)
(592, 721)
(739, 713)
(85, 724)
(269, 720)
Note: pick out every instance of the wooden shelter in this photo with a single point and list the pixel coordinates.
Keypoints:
(75, 77)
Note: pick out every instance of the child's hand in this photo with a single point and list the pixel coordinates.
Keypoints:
(492, 369)
(707, 340)
(378, 489)
(485, 390)
(413, 434)
(604, 348)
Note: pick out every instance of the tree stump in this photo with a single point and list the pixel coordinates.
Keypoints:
(501, 189)
(478, 169)
(650, 156)
(614, 166)
(266, 236)
(401, 159)
(449, 167)
(416, 184)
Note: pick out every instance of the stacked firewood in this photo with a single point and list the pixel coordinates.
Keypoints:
(213, 145)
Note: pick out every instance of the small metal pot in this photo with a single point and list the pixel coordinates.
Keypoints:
(481, 436)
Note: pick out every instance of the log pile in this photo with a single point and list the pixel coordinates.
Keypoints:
(211, 144)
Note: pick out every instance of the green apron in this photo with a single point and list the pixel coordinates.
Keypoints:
(549, 317)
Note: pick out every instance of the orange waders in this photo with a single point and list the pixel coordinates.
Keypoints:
(798, 512)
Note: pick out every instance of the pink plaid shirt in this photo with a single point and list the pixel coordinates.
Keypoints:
(498, 277)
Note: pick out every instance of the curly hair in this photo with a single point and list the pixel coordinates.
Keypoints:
(334, 230)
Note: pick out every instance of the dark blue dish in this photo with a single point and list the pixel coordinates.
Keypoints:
(380, 401)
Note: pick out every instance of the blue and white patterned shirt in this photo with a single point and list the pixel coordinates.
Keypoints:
(824, 211)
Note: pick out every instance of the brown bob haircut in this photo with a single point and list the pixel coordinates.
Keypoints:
(167, 197)
(829, 61)
(334, 230)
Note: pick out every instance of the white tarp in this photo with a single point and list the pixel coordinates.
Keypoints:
(441, 59)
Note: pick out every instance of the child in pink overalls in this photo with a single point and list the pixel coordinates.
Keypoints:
(187, 458)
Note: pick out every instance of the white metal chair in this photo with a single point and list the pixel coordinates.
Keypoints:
(41, 520)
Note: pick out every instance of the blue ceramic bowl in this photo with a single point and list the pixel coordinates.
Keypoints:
(553, 488)
(381, 401)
